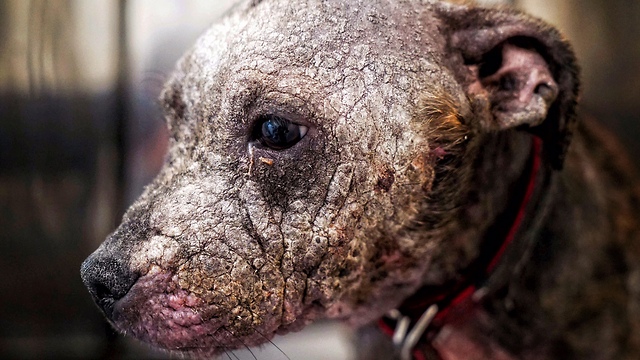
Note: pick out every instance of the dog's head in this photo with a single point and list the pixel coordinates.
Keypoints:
(324, 163)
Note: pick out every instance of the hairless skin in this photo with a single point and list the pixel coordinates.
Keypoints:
(330, 159)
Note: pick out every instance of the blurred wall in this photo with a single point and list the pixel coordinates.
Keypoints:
(57, 179)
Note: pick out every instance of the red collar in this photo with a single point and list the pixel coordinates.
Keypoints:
(420, 303)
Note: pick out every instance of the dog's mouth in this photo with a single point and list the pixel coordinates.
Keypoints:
(157, 311)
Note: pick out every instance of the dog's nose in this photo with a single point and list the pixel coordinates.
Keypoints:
(107, 278)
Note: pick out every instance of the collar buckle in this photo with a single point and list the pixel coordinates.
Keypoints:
(405, 339)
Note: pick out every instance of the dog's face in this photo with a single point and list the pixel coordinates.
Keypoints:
(316, 169)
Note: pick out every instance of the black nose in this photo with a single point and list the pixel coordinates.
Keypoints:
(107, 278)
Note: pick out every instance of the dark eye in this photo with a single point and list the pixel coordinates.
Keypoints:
(277, 132)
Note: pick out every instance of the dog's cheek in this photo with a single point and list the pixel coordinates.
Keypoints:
(312, 204)
(291, 201)
(358, 236)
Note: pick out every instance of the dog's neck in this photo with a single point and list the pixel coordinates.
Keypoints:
(505, 243)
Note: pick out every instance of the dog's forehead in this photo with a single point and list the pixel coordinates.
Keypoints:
(320, 42)
(392, 26)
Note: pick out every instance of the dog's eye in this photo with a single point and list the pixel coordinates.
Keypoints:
(277, 132)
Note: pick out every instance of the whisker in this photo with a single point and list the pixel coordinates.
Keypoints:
(224, 348)
(227, 353)
(241, 342)
(272, 343)
(234, 355)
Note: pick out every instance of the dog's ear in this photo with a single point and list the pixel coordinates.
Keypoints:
(518, 72)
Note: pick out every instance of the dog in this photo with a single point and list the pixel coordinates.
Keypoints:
(403, 166)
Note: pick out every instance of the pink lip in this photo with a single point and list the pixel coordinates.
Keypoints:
(158, 312)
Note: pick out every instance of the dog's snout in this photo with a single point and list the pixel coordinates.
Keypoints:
(108, 279)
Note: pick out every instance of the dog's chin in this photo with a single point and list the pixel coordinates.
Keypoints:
(157, 312)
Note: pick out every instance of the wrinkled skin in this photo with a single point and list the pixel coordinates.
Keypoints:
(235, 242)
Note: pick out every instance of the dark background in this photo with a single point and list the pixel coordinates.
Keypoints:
(80, 134)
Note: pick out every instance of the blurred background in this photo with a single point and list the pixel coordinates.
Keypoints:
(81, 133)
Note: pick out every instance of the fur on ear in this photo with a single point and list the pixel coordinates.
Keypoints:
(518, 71)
